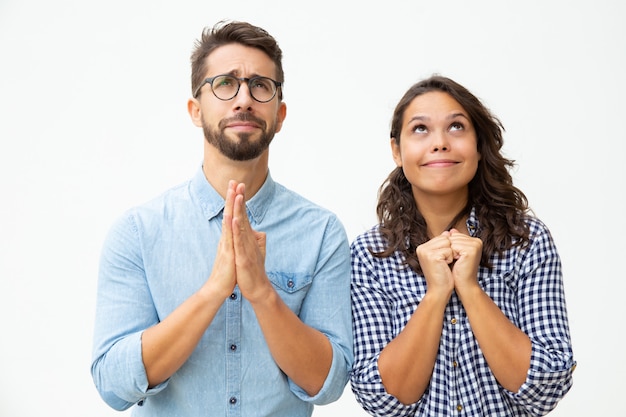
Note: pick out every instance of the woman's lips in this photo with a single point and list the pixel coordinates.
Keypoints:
(440, 163)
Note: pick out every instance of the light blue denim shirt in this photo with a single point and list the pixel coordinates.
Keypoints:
(157, 255)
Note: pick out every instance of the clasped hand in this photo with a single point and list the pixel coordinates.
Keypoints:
(450, 261)
(240, 258)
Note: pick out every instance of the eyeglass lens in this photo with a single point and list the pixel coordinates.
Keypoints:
(226, 87)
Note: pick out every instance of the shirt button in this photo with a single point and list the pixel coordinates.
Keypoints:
(459, 407)
(233, 347)
(453, 321)
(233, 296)
(290, 283)
(233, 400)
(455, 364)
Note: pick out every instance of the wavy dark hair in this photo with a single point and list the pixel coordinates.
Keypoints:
(225, 33)
(501, 208)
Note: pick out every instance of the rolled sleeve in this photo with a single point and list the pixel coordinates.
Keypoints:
(327, 309)
(373, 329)
(545, 385)
(370, 393)
(333, 385)
(120, 376)
(544, 319)
(123, 310)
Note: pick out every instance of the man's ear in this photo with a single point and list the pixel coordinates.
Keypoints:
(193, 108)
(281, 113)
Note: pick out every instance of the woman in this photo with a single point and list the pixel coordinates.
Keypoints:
(457, 293)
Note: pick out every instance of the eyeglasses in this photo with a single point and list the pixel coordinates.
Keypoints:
(225, 87)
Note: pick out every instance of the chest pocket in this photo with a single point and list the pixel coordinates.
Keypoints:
(292, 287)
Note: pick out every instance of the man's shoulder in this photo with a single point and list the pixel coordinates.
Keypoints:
(297, 201)
(163, 202)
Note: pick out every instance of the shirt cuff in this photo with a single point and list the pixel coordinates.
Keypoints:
(334, 384)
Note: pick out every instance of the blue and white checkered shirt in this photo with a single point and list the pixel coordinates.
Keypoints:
(527, 285)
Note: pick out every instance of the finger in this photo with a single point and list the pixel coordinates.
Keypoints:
(465, 244)
(438, 242)
(244, 242)
(241, 188)
(448, 255)
(240, 192)
(260, 240)
(229, 201)
(227, 218)
(430, 254)
(240, 213)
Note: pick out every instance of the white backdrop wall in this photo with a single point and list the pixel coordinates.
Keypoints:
(93, 120)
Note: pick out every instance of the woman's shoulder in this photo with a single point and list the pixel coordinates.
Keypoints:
(536, 226)
(370, 238)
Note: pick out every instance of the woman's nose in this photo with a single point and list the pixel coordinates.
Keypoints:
(440, 143)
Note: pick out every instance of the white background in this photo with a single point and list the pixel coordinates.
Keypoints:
(93, 120)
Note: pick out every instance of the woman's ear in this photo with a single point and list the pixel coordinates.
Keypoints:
(395, 152)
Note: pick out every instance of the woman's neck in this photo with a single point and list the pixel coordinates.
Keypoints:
(439, 212)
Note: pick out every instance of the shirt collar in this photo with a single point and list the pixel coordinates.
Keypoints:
(212, 203)
(472, 223)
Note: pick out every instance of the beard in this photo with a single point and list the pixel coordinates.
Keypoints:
(245, 148)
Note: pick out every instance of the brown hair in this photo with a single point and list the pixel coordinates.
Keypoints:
(500, 206)
(224, 33)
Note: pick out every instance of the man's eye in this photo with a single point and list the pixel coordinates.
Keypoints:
(261, 85)
(223, 82)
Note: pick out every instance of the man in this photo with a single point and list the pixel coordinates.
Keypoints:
(229, 294)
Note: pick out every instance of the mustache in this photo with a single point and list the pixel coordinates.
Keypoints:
(243, 117)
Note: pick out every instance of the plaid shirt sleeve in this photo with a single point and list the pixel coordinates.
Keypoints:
(373, 328)
(542, 315)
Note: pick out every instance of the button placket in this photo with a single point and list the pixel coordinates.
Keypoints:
(232, 340)
(453, 312)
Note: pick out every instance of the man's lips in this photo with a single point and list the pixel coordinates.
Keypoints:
(242, 126)
(243, 121)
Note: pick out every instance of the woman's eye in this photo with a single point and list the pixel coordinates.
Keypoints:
(419, 129)
(456, 126)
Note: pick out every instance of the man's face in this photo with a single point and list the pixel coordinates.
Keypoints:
(240, 128)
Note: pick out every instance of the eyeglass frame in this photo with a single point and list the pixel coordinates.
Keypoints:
(210, 80)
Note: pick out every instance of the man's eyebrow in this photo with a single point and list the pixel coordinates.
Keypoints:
(237, 73)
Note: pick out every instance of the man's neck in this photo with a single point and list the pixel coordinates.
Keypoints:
(218, 170)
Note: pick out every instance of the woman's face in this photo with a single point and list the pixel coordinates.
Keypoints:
(438, 148)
